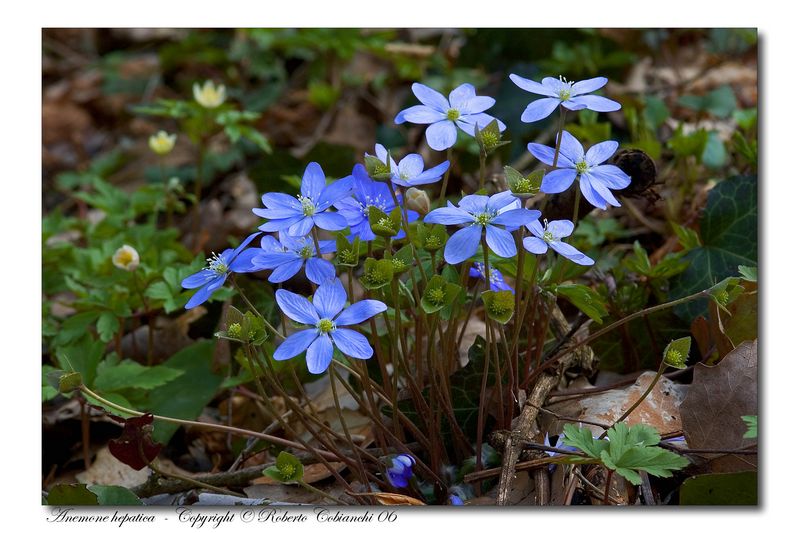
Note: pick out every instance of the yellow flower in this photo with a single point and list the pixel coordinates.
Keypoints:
(208, 95)
(162, 143)
(126, 258)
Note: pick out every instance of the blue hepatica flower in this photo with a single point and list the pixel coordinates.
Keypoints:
(572, 96)
(482, 212)
(464, 109)
(401, 470)
(596, 179)
(286, 257)
(214, 275)
(298, 215)
(495, 280)
(327, 316)
(550, 237)
(366, 193)
(410, 171)
(454, 499)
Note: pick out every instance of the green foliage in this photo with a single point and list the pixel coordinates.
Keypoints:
(728, 231)
(498, 305)
(676, 353)
(377, 273)
(734, 488)
(523, 186)
(438, 293)
(287, 469)
(117, 376)
(719, 102)
(246, 328)
(114, 496)
(748, 273)
(627, 450)
(385, 225)
(584, 298)
(751, 426)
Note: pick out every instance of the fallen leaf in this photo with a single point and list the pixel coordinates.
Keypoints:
(714, 403)
(389, 498)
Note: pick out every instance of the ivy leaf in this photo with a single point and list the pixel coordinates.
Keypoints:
(728, 230)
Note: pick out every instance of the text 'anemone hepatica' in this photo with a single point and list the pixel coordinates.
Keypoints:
(299, 215)
(463, 108)
(572, 96)
(326, 315)
(481, 212)
(286, 257)
(214, 275)
(367, 193)
(596, 179)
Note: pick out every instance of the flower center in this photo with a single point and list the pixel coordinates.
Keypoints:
(484, 218)
(565, 91)
(287, 470)
(216, 264)
(325, 325)
(308, 207)
(453, 114)
(548, 237)
(436, 296)
(581, 167)
(432, 241)
(307, 251)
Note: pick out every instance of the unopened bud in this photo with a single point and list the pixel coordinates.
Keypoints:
(417, 200)
(126, 258)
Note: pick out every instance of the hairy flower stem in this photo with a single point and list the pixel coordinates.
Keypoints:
(482, 169)
(561, 125)
(355, 449)
(640, 400)
(407, 227)
(487, 357)
(577, 197)
(443, 194)
(249, 304)
(519, 318)
(207, 425)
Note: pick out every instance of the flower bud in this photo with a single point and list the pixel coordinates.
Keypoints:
(126, 258)
(162, 143)
(417, 200)
(208, 95)
(676, 353)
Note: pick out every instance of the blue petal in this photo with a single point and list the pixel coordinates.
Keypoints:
(611, 176)
(327, 246)
(302, 227)
(499, 200)
(474, 203)
(276, 213)
(601, 190)
(571, 148)
(319, 355)
(534, 245)
(418, 114)
(360, 312)
(571, 253)
(588, 86)
(296, 307)
(536, 228)
(448, 216)
(517, 217)
(591, 195)
(597, 103)
(204, 292)
(270, 244)
(431, 175)
(295, 344)
(281, 200)
(313, 181)
(543, 153)
(198, 279)
(245, 242)
(319, 270)
(286, 271)
(281, 224)
(531, 86)
(558, 180)
(467, 122)
(459, 96)
(329, 221)
(601, 152)
(478, 104)
(463, 244)
(411, 166)
(429, 97)
(538, 109)
(441, 135)
(352, 343)
(330, 298)
(500, 241)
(246, 261)
(335, 191)
(560, 228)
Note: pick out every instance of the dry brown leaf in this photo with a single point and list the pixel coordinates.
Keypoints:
(389, 498)
(714, 404)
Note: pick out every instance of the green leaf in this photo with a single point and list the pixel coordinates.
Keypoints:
(583, 440)
(728, 230)
(377, 273)
(749, 273)
(499, 305)
(186, 396)
(83, 357)
(48, 391)
(75, 327)
(585, 299)
(129, 374)
(720, 102)
(736, 488)
(113, 495)
(655, 111)
(714, 155)
(438, 293)
(751, 426)
(75, 494)
(676, 353)
(635, 448)
(107, 326)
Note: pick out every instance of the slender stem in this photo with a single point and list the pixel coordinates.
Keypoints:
(193, 481)
(487, 356)
(344, 428)
(559, 137)
(482, 168)
(577, 196)
(607, 486)
(639, 400)
(446, 178)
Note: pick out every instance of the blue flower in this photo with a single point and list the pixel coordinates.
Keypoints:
(327, 316)
(214, 275)
(561, 92)
(401, 470)
(463, 108)
(286, 257)
(410, 172)
(355, 209)
(559, 445)
(299, 215)
(550, 237)
(454, 499)
(596, 179)
(495, 279)
(482, 212)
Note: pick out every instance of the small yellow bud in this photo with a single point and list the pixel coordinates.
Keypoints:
(126, 258)
(417, 200)
(162, 143)
(209, 96)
